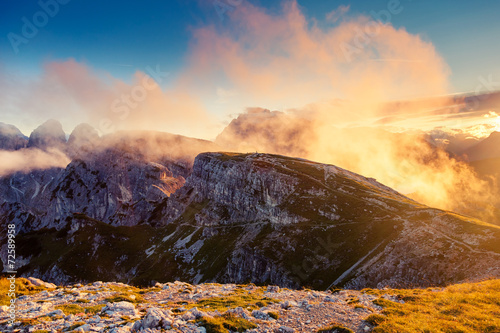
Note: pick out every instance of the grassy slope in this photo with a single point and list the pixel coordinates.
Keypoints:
(461, 308)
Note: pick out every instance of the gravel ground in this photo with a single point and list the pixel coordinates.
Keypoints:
(176, 307)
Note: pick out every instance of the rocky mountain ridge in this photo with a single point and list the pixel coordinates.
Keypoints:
(236, 218)
(117, 179)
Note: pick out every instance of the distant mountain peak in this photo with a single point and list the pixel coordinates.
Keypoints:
(494, 135)
(11, 137)
(49, 134)
(488, 148)
(83, 136)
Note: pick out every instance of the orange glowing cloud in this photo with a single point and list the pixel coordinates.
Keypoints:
(71, 91)
(259, 58)
(285, 59)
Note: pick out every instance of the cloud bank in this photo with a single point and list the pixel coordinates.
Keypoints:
(28, 160)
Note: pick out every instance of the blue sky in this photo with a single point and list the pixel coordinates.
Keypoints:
(122, 37)
(108, 35)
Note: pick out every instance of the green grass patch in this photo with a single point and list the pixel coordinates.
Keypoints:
(334, 289)
(74, 326)
(128, 319)
(28, 322)
(352, 300)
(126, 297)
(273, 315)
(48, 318)
(70, 309)
(225, 323)
(94, 309)
(375, 319)
(249, 301)
(82, 300)
(335, 328)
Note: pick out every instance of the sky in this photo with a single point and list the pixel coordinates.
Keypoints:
(105, 48)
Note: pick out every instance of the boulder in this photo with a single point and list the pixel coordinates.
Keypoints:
(40, 283)
(288, 304)
(120, 309)
(121, 329)
(155, 318)
(260, 315)
(273, 289)
(198, 314)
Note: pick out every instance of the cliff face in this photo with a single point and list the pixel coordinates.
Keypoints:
(110, 187)
(235, 190)
(241, 218)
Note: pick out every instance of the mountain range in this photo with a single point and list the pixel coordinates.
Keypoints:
(140, 207)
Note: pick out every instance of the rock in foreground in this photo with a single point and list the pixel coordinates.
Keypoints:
(213, 308)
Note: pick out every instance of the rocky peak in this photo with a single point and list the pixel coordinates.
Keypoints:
(11, 137)
(84, 138)
(83, 134)
(49, 134)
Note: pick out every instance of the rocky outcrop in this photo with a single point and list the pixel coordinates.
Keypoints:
(235, 191)
(111, 187)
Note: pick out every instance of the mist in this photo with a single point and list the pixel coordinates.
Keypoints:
(31, 159)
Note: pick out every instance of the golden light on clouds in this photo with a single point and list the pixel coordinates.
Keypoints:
(494, 119)
(268, 59)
